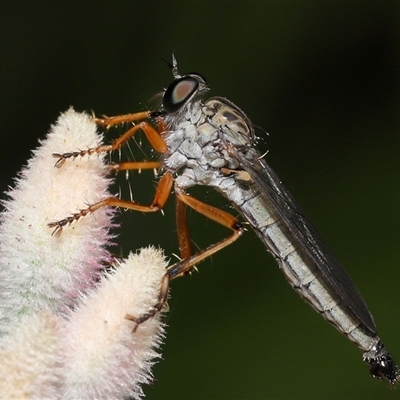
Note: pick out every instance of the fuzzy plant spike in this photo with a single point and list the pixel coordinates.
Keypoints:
(93, 354)
(104, 357)
(38, 270)
(64, 331)
(30, 355)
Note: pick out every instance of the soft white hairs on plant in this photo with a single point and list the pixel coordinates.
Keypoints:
(63, 331)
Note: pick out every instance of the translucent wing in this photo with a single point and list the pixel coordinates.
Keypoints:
(307, 238)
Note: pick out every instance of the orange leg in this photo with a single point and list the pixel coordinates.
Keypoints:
(153, 136)
(163, 190)
(164, 185)
(160, 198)
(130, 165)
(187, 264)
(156, 141)
(215, 214)
(185, 244)
(120, 119)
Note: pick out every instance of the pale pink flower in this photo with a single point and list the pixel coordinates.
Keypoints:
(57, 305)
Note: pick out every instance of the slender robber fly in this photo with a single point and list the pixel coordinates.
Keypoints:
(212, 143)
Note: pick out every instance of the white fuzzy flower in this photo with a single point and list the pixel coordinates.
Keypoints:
(39, 271)
(103, 355)
(30, 355)
(57, 305)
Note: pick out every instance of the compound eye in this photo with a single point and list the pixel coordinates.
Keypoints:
(178, 93)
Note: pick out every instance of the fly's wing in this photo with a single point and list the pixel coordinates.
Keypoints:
(308, 239)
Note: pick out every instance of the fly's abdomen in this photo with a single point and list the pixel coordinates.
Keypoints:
(301, 273)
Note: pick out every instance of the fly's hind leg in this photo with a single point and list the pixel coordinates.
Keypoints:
(185, 265)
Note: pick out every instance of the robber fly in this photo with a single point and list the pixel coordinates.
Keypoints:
(212, 143)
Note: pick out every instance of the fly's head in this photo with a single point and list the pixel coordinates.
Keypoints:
(183, 91)
(180, 97)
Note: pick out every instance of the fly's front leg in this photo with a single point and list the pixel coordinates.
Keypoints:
(155, 139)
(121, 119)
(153, 136)
(160, 198)
(131, 165)
(184, 266)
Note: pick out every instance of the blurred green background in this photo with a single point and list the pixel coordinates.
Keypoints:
(323, 79)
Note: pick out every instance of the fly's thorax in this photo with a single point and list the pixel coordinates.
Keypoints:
(202, 139)
(196, 143)
(192, 112)
(236, 129)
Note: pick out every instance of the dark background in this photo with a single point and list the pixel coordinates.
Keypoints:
(322, 78)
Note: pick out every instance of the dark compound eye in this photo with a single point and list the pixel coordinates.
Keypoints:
(178, 93)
